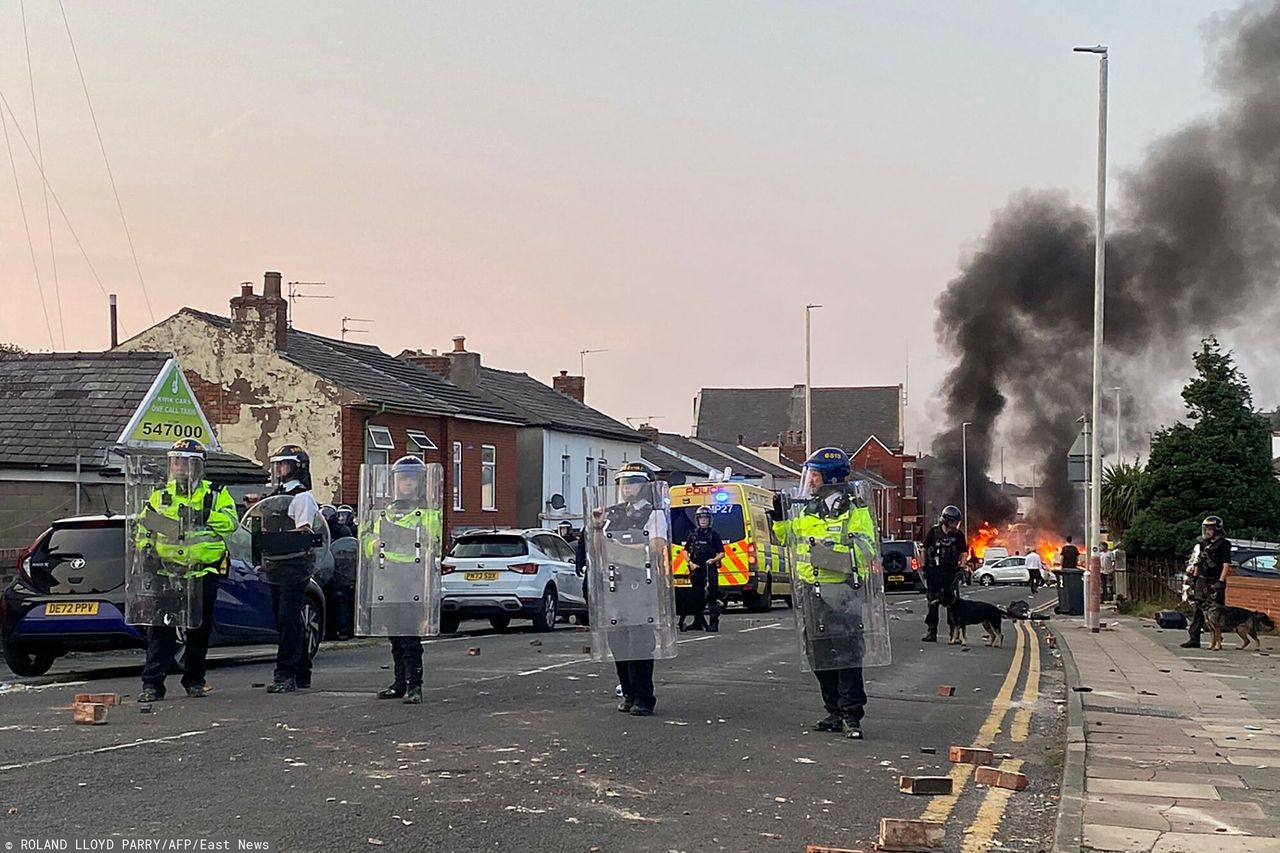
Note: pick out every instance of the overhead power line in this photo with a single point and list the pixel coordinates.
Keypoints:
(48, 219)
(110, 175)
(17, 185)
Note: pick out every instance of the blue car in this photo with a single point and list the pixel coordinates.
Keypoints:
(69, 596)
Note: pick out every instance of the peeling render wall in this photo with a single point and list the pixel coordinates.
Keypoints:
(255, 400)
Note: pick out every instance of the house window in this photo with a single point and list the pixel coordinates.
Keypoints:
(566, 479)
(909, 484)
(380, 438)
(602, 473)
(419, 444)
(457, 475)
(488, 477)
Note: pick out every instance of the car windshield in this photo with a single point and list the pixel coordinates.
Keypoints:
(1262, 563)
(490, 545)
(726, 519)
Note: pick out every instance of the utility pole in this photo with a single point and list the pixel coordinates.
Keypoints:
(964, 455)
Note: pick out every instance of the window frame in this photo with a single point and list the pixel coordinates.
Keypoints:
(421, 441)
(374, 435)
(457, 476)
(489, 502)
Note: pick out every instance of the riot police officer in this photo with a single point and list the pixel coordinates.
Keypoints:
(291, 475)
(832, 537)
(944, 546)
(183, 528)
(636, 523)
(1209, 575)
(705, 550)
(403, 556)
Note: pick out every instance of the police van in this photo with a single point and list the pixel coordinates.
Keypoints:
(754, 570)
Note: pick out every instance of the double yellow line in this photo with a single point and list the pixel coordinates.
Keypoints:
(979, 834)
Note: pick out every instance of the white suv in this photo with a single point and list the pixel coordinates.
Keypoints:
(503, 574)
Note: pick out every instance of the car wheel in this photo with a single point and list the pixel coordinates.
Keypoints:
(987, 580)
(312, 625)
(500, 623)
(545, 618)
(449, 623)
(29, 664)
(759, 603)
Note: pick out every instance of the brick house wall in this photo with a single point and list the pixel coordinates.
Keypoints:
(892, 466)
(1255, 594)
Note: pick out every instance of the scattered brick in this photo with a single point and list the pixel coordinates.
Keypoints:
(946, 690)
(929, 750)
(586, 650)
(89, 713)
(474, 651)
(108, 699)
(929, 786)
(993, 778)
(822, 848)
(910, 835)
(970, 755)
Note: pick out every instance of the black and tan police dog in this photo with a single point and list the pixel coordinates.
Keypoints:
(1219, 620)
(963, 612)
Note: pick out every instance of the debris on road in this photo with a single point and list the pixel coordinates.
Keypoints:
(89, 713)
(929, 750)
(473, 651)
(108, 699)
(910, 835)
(970, 755)
(586, 649)
(925, 785)
(993, 778)
(946, 690)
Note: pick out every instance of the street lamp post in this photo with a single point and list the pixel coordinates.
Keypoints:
(964, 456)
(808, 379)
(1119, 457)
(1093, 598)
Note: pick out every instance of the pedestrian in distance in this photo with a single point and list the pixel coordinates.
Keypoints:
(182, 532)
(944, 545)
(1069, 556)
(1107, 568)
(291, 475)
(705, 550)
(1035, 571)
(1208, 576)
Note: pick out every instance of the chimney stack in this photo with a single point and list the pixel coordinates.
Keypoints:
(649, 431)
(435, 362)
(464, 365)
(571, 386)
(261, 319)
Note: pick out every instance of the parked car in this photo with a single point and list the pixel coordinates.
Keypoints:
(1007, 570)
(69, 596)
(994, 554)
(900, 559)
(502, 575)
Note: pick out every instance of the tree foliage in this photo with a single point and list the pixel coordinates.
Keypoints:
(1121, 495)
(1217, 463)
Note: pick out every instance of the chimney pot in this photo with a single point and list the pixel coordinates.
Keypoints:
(271, 285)
(433, 351)
(564, 373)
(460, 343)
(246, 288)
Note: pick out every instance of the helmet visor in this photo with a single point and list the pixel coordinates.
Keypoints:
(186, 469)
(409, 485)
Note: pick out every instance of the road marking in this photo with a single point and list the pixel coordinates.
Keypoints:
(981, 833)
(940, 807)
(549, 666)
(758, 628)
(1030, 692)
(52, 758)
(696, 639)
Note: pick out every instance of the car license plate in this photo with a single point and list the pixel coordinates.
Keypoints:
(71, 608)
(896, 578)
(480, 576)
(683, 582)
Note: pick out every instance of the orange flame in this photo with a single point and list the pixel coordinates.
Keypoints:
(1048, 551)
(984, 538)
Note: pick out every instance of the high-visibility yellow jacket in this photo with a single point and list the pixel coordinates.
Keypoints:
(187, 530)
(392, 533)
(851, 532)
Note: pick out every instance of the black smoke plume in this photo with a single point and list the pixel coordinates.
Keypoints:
(1191, 249)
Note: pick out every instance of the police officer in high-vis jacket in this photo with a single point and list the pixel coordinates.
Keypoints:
(206, 517)
(830, 517)
(409, 510)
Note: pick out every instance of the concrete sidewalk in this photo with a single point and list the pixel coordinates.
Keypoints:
(1180, 747)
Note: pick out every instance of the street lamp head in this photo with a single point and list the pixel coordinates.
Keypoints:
(811, 305)
(1097, 48)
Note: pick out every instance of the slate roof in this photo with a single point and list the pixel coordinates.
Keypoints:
(380, 378)
(542, 405)
(713, 459)
(745, 457)
(664, 461)
(842, 417)
(55, 405)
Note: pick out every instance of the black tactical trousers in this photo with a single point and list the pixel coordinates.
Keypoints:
(292, 659)
(406, 652)
(162, 644)
(938, 583)
(636, 678)
(843, 693)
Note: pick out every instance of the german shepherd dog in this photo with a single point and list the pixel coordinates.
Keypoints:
(1219, 620)
(963, 612)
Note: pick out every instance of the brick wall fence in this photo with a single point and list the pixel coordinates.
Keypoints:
(1255, 594)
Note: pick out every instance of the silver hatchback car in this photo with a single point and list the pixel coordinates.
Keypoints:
(502, 575)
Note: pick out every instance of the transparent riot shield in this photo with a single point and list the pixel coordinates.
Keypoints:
(345, 553)
(837, 582)
(398, 571)
(270, 539)
(630, 595)
(161, 529)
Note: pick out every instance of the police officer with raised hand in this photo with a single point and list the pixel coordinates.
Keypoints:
(705, 550)
(1209, 575)
(944, 546)
(291, 475)
(631, 600)
(838, 586)
(397, 584)
(179, 538)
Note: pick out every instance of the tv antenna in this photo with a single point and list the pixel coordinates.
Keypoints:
(346, 328)
(582, 359)
(644, 419)
(295, 292)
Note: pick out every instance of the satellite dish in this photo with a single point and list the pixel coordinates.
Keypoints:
(557, 501)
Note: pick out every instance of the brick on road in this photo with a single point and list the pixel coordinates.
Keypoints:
(910, 835)
(970, 755)
(925, 785)
(993, 778)
(89, 713)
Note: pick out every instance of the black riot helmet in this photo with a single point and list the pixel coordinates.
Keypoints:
(409, 480)
(1212, 526)
(291, 462)
(703, 513)
(951, 515)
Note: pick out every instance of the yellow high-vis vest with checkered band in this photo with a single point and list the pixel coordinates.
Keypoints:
(854, 526)
(396, 549)
(202, 545)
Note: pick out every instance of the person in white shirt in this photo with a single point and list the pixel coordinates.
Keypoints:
(1035, 568)
(291, 472)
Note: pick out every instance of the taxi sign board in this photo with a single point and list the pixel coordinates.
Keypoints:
(168, 412)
